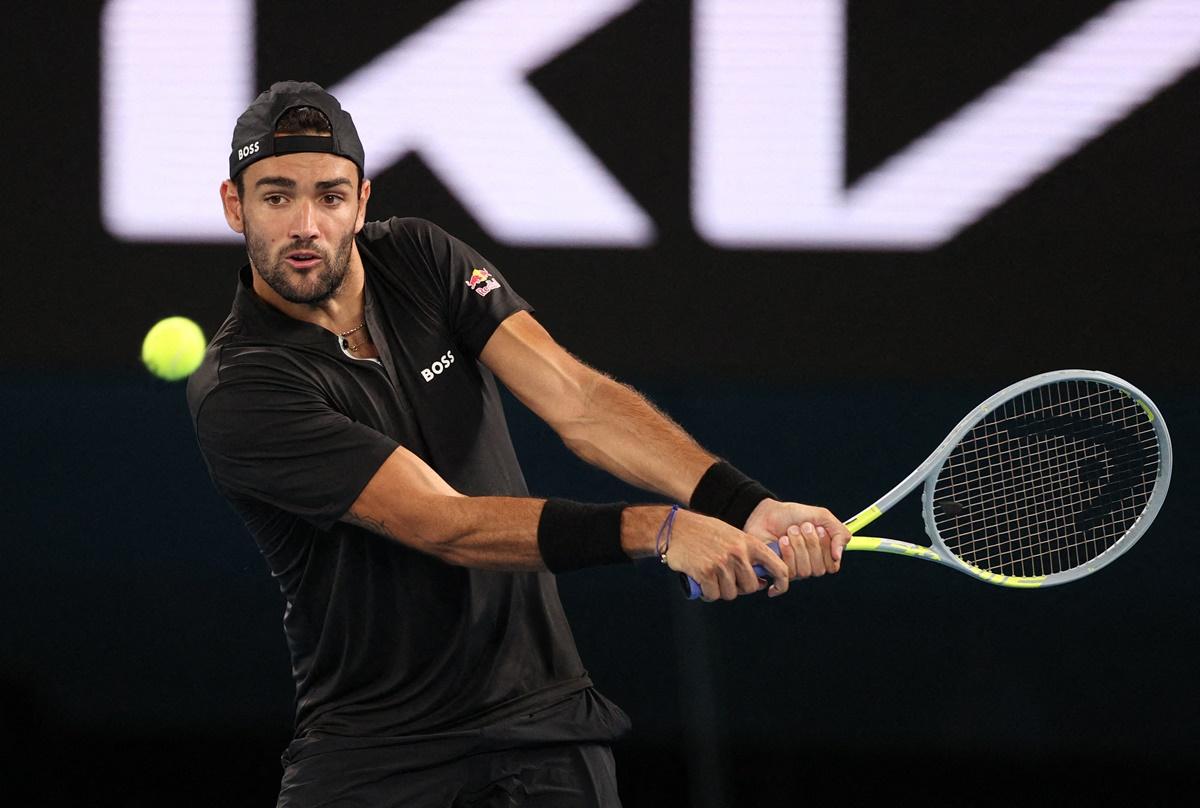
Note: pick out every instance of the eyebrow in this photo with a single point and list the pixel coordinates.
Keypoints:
(286, 182)
(283, 182)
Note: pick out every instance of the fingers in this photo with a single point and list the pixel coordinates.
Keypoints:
(735, 576)
(812, 546)
(812, 556)
(728, 583)
(747, 579)
(826, 549)
(824, 536)
(776, 567)
(840, 538)
(803, 560)
(787, 553)
(833, 536)
(824, 545)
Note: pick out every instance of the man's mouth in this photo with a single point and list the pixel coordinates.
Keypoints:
(303, 259)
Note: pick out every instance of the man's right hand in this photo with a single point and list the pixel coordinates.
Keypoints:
(719, 557)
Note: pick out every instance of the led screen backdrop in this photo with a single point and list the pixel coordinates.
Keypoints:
(822, 188)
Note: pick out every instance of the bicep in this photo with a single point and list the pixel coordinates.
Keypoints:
(539, 371)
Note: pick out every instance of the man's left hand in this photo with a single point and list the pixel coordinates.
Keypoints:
(811, 539)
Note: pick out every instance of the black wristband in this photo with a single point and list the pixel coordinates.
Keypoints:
(573, 535)
(727, 494)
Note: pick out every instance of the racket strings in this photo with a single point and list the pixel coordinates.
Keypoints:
(1048, 481)
(1056, 463)
(1024, 554)
(1062, 509)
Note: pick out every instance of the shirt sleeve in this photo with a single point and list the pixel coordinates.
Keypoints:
(276, 440)
(478, 298)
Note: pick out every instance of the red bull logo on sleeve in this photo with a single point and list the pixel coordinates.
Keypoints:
(482, 282)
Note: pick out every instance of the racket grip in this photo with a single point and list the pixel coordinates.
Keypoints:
(691, 589)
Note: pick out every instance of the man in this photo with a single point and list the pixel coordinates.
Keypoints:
(348, 410)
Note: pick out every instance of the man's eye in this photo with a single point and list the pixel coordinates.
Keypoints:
(273, 199)
(332, 199)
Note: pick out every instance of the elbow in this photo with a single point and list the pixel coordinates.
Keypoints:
(579, 417)
(438, 530)
(430, 525)
(580, 443)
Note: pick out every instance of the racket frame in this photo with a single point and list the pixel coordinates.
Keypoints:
(927, 474)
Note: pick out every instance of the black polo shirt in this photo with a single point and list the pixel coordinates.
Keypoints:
(391, 648)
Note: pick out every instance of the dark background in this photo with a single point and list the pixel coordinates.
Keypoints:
(141, 655)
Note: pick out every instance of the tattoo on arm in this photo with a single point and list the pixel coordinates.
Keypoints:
(366, 522)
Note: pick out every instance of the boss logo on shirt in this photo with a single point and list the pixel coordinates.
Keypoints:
(437, 367)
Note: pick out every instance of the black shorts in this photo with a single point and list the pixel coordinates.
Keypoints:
(564, 776)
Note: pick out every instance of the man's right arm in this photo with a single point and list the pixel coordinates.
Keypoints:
(268, 434)
(409, 502)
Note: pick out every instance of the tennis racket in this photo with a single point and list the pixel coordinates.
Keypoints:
(1047, 481)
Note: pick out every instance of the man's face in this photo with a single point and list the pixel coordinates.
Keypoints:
(299, 214)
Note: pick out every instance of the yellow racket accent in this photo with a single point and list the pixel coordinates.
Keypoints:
(1015, 581)
(862, 519)
(877, 544)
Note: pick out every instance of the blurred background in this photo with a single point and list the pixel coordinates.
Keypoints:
(815, 232)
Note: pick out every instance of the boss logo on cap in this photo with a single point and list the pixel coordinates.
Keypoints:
(246, 151)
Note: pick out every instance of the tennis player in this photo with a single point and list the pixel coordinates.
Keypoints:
(348, 410)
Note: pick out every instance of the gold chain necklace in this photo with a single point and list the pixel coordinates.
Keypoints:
(366, 338)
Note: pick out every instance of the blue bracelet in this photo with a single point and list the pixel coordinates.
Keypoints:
(662, 542)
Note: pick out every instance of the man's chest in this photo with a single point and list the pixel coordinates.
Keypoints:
(421, 389)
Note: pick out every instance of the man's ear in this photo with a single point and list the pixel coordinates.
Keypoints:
(363, 195)
(231, 203)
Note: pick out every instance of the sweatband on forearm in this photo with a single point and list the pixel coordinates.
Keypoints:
(574, 535)
(727, 494)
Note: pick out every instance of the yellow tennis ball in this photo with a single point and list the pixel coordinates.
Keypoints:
(173, 348)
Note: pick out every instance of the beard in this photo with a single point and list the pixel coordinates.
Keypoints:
(310, 288)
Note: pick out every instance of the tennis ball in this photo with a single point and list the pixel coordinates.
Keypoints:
(173, 348)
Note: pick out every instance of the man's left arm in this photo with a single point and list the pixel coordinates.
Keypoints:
(613, 427)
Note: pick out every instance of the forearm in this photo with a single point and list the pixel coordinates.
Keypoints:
(618, 430)
(408, 502)
(605, 423)
(483, 532)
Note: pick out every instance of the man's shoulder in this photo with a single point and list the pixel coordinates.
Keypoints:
(408, 253)
(401, 229)
(235, 356)
(205, 378)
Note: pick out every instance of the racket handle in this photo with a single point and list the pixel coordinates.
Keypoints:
(691, 589)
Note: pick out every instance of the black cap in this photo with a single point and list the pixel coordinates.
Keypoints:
(254, 135)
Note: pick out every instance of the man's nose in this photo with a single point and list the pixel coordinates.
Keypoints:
(304, 223)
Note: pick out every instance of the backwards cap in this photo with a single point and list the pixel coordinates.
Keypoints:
(254, 135)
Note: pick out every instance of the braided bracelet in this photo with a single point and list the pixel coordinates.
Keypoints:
(662, 542)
